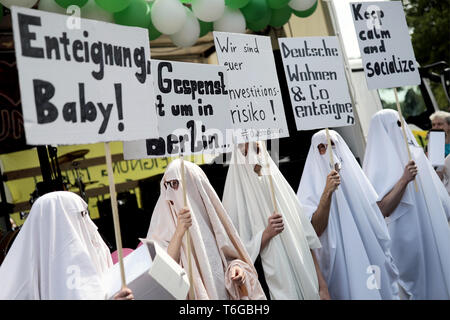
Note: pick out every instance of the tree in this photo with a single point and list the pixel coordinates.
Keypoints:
(430, 23)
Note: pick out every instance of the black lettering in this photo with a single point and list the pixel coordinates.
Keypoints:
(43, 92)
(26, 36)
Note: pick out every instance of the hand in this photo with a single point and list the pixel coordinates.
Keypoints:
(275, 225)
(184, 220)
(238, 275)
(333, 181)
(410, 171)
(324, 294)
(124, 294)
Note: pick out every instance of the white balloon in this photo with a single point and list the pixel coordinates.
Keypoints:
(51, 6)
(19, 3)
(168, 16)
(208, 10)
(189, 33)
(301, 5)
(92, 11)
(232, 20)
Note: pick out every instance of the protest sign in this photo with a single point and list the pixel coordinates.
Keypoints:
(85, 83)
(256, 106)
(385, 44)
(192, 105)
(317, 84)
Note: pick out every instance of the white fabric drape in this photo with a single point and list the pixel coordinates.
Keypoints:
(58, 253)
(356, 240)
(215, 242)
(287, 262)
(418, 226)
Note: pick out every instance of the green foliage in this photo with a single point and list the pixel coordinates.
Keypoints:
(430, 23)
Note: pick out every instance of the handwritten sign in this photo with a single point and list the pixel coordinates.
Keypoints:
(257, 111)
(82, 85)
(317, 85)
(192, 104)
(385, 44)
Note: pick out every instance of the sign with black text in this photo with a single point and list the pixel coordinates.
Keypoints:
(317, 84)
(385, 44)
(257, 110)
(83, 83)
(192, 105)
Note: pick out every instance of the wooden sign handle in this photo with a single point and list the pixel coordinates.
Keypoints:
(404, 132)
(188, 235)
(272, 189)
(115, 212)
(330, 152)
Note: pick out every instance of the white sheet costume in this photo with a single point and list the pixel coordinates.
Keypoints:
(355, 256)
(216, 246)
(418, 226)
(287, 261)
(58, 253)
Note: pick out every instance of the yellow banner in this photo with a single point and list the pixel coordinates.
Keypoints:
(126, 170)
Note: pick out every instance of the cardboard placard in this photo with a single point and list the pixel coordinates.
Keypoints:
(82, 83)
(151, 274)
(385, 44)
(317, 84)
(192, 105)
(257, 111)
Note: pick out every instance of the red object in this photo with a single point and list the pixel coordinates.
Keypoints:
(115, 254)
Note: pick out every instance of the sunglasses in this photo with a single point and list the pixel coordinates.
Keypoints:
(323, 147)
(174, 184)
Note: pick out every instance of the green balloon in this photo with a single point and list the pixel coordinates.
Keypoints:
(236, 4)
(205, 27)
(261, 23)
(67, 3)
(277, 4)
(113, 5)
(255, 10)
(306, 13)
(137, 14)
(280, 16)
(153, 33)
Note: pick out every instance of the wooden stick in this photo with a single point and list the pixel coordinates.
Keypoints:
(272, 189)
(115, 212)
(330, 152)
(188, 235)
(404, 132)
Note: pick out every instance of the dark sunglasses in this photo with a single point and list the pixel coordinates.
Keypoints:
(172, 183)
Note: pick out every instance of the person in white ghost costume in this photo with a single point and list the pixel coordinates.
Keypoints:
(221, 266)
(355, 256)
(417, 221)
(58, 254)
(284, 240)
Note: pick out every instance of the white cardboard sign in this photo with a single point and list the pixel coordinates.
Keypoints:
(192, 105)
(151, 274)
(385, 44)
(82, 83)
(317, 84)
(257, 111)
